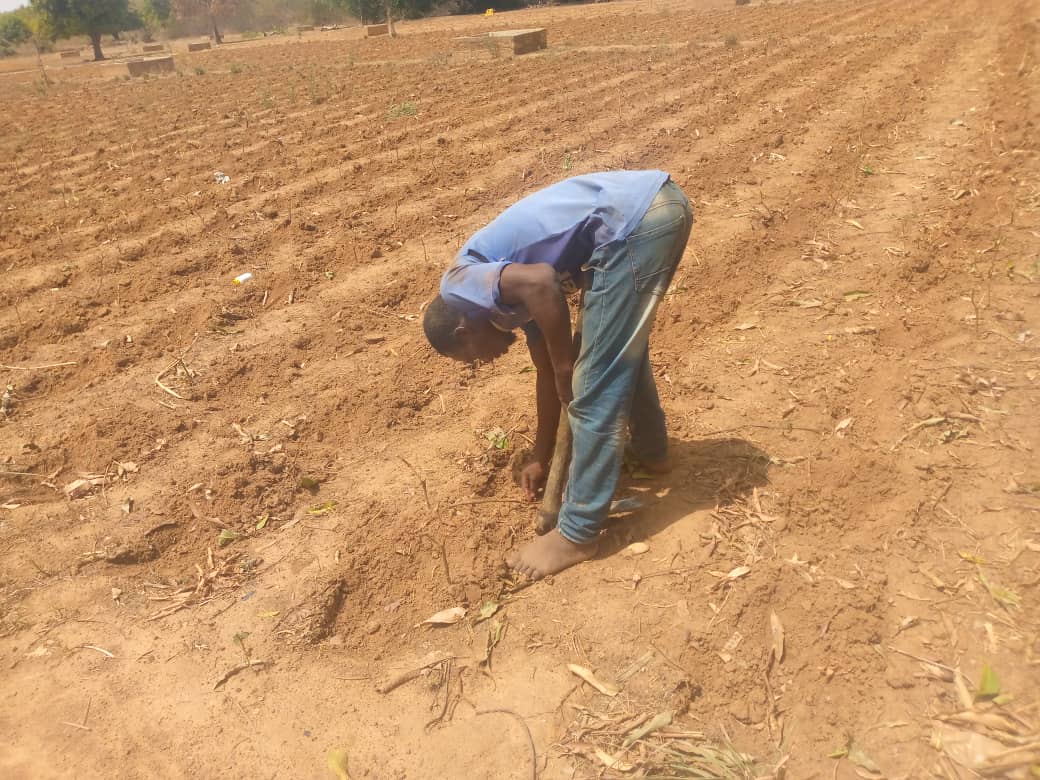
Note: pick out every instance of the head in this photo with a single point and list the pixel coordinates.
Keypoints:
(464, 338)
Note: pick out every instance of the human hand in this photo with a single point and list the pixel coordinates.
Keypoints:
(532, 479)
(564, 376)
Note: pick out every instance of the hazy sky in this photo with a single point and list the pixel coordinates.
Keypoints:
(10, 5)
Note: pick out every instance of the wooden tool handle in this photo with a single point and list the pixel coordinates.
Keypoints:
(552, 499)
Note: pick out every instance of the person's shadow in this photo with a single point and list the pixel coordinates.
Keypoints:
(706, 473)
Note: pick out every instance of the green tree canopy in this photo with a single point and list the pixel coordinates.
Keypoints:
(92, 18)
(13, 28)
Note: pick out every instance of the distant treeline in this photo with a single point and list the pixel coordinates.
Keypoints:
(45, 21)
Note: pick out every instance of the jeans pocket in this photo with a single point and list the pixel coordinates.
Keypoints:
(651, 252)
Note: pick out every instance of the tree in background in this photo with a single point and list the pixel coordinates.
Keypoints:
(92, 18)
(155, 15)
(13, 30)
(209, 8)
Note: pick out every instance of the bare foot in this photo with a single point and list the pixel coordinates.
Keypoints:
(549, 554)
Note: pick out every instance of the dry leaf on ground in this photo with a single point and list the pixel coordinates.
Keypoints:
(446, 617)
(607, 689)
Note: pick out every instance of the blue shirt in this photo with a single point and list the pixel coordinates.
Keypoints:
(561, 225)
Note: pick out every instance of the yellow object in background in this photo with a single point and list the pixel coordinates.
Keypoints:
(489, 12)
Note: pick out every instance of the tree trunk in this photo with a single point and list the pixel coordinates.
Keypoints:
(95, 41)
(39, 62)
(217, 37)
(389, 19)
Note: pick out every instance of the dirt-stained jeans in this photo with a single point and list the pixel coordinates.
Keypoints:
(614, 386)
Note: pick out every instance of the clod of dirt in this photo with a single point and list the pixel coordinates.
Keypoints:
(321, 620)
(129, 553)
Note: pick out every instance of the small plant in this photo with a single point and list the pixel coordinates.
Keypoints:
(407, 108)
(497, 438)
(568, 161)
(240, 640)
(268, 101)
(732, 40)
(200, 71)
(236, 68)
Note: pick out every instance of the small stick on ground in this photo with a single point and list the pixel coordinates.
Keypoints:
(449, 665)
(942, 666)
(487, 501)
(396, 682)
(37, 368)
(444, 557)
(527, 730)
(173, 365)
(418, 476)
(240, 668)
(82, 725)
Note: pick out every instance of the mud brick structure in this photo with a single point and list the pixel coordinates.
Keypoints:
(373, 30)
(506, 43)
(70, 54)
(150, 47)
(200, 46)
(142, 66)
(305, 28)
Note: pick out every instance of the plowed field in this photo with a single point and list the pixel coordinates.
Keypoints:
(279, 480)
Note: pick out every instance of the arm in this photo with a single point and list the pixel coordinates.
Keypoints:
(537, 289)
(536, 471)
(546, 401)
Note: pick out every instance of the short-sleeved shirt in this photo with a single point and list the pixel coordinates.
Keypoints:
(561, 225)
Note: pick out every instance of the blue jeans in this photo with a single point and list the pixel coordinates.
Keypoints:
(614, 385)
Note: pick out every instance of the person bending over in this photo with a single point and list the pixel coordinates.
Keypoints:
(619, 237)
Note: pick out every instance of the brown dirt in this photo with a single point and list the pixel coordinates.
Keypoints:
(848, 358)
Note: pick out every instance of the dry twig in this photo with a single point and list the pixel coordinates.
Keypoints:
(527, 730)
(240, 668)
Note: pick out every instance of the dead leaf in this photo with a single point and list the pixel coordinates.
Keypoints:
(337, 763)
(613, 763)
(855, 224)
(1006, 597)
(966, 699)
(776, 633)
(745, 326)
(841, 428)
(855, 295)
(487, 609)
(446, 617)
(607, 689)
(738, 572)
(636, 548)
(861, 330)
(659, 721)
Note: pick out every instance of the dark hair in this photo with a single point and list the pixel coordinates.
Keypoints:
(439, 324)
